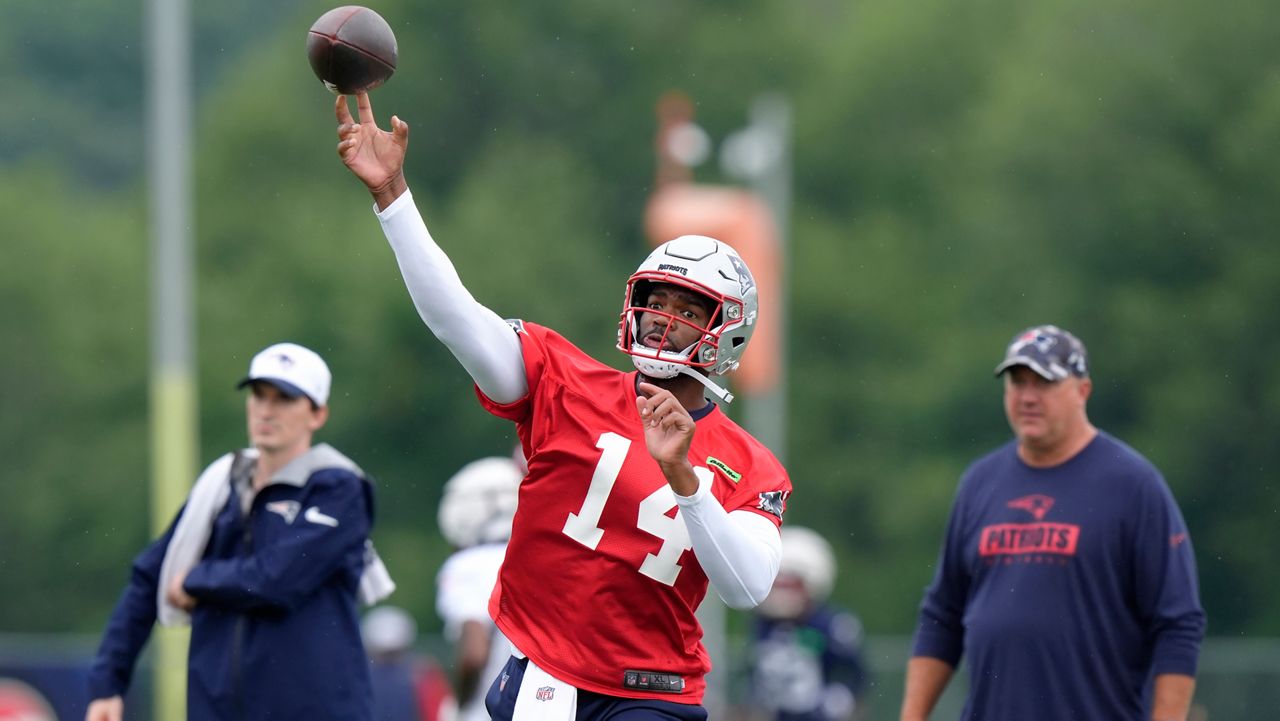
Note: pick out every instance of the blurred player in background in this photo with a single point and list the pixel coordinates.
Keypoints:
(806, 652)
(407, 686)
(628, 472)
(475, 516)
(1066, 577)
(266, 561)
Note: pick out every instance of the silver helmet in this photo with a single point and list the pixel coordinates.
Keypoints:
(712, 269)
(806, 574)
(479, 502)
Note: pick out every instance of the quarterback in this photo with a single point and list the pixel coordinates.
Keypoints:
(640, 492)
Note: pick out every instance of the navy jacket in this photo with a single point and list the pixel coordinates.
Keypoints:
(275, 633)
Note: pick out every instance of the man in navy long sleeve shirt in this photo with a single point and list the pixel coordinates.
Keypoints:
(1067, 579)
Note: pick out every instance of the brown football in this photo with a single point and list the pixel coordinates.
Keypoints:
(351, 48)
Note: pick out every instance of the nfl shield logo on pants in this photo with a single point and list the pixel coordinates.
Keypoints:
(545, 693)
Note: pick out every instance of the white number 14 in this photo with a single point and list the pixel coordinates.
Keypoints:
(651, 517)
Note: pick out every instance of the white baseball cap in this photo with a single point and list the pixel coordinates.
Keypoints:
(295, 370)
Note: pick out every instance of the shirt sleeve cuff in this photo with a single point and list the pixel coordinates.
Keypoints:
(698, 497)
(385, 216)
(1177, 661)
(941, 646)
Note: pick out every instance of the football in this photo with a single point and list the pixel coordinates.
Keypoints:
(351, 49)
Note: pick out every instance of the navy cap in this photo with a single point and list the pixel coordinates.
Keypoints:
(1050, 351)
(286, 388)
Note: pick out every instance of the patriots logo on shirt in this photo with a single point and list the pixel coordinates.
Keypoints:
(516, 324)
(1036, 504)
(774, 502)
(287, 509)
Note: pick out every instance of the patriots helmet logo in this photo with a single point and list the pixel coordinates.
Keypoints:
(744, 275)
(1036, 504)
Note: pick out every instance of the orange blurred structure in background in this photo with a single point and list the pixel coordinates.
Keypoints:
(739, 217)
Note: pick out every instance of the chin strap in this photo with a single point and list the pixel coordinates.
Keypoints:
(722, 393)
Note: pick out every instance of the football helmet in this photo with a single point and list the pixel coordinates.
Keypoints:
(479, 502)
(806, 574)
(712, 269)
(388, 630)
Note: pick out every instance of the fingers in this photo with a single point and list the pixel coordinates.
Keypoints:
(347, 128)
(663, 411)
(400, 129)
(342, 111)
(365, 108)
(657, 406)
(178, 596)
(348, 136)
(105, 709)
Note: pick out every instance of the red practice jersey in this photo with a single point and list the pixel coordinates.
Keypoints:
(600, 578)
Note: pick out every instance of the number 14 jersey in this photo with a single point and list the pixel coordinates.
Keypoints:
(600, 578)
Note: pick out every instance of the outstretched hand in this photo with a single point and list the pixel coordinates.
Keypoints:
(668, 431)
(374, 155)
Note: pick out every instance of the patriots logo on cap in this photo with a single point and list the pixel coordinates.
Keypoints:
(284, 360)
(1041, 341)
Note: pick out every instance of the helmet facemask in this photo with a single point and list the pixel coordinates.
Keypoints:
(661, 361)
(712, 270)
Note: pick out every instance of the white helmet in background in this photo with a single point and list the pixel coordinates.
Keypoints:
(710, 268)
(388, 630)
(806, 574)
(480, 501)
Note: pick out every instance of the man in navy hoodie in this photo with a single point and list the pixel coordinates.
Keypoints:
(1066, 579)
(266, 561)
